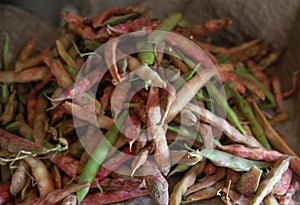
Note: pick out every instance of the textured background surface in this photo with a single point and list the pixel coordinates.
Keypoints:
(275, 21)
(21, 25)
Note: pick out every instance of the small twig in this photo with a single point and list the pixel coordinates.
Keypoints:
(98, 185)
(82, 54)
(227, 194)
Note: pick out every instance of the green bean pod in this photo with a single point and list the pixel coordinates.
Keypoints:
(6, 66)
(236, 163)
(184, 24)
(186, 132)
(91, 168)
(211, 89)
(167, 24)
(4, 94)
(208, 104)
(242, 71)
(256, 128)
(221, 100)
(179, 168)
(201, 97)
(189, 63)
(6, 53)
(10, 110)
(185, 77)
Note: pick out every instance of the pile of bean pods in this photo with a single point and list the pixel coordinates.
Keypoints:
(239, 158)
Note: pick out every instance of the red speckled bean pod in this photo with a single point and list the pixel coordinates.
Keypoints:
(282, 186)
(210, 26)
(207, 181)
(236, 197)
(124, 28)
(56, 176)
(183, 157)
(276, 88)
(62, 77)
(31, 106)
(290, 92)
(65, 162)
(206, 134)
(130, 184)
(76, 24)
(69, 200)
(188, 118)
(31, 101)
(80, 113)
(233, 177)
(41, 174)
(5, 194)
(105, 97)
(287, 197)
(113, 163)
(18, 179)
(119, 97)
(112, 197)
(252, 86)
(257, 72)
(82, 85)
(25, 76)
(243, 46)
(21, 65)
(56, 196)
(209, 169)
(223, 125)
(211, 47)
(157, 130)
(227, 75)
(187, 181)
(140, 159)
(253, 153)
(57, 115)
(206, 193)
(135, 25)
(145, 72)
(10, 109)
(27, 49)
(111, 61)
(188, 91)
(156, 183)
(41, 119)
(249, 181)
(131, 128)
(15, 144)
(269, 59)
(140, 111)
(100, 18)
